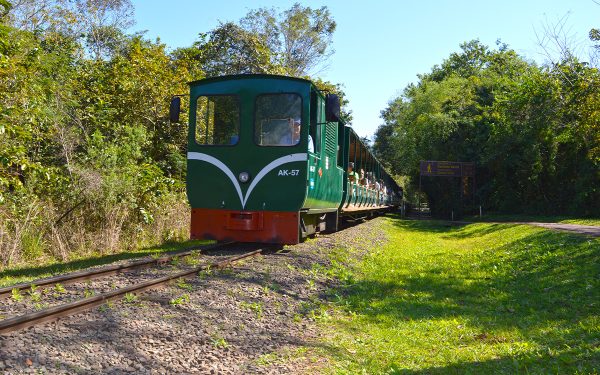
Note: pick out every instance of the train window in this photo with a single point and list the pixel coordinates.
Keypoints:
(277, 121)
(217, 120)
(316, 113)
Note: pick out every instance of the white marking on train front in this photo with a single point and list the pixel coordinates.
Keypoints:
(266, 169)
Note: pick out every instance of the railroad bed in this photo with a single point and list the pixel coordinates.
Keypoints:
(56, 297)
(254, 318)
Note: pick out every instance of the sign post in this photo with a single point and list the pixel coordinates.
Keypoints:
(436, 168)
(447, 168)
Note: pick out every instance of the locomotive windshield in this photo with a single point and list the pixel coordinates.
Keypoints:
(277, 121)
(217, 120)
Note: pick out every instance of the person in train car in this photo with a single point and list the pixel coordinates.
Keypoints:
(363, 179)
(291, 137)
(352, 179)
(371, 180)
(352, 175)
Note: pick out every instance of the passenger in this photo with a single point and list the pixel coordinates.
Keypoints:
(363, 180)
(292, 136)
(371, 180)
(311, 144)
(352, 176)
(352, 182)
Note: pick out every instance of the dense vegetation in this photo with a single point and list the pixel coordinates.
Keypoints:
(88, 159)
(477, 299)
(533, 132)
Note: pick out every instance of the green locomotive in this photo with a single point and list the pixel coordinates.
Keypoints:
(269, 158)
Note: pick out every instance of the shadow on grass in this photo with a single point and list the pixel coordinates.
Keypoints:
(452, 229)
(509, 365)
(542, 284)
(33, 272)
(578, 361)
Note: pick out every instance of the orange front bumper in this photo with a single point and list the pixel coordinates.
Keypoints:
(245, 226)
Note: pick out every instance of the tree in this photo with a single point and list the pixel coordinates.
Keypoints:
(98, 24)
(299, 37)
(532, 132)
(229, 49)
(32, 15)
(5, 7)
(293, 42)
(103, 23)
(595, 55)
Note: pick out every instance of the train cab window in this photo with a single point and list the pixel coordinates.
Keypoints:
(217, 120)
(277, 121)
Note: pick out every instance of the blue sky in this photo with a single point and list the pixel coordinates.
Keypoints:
(381, 46)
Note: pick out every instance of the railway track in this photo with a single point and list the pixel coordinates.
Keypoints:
(56, 312)
(89, 274)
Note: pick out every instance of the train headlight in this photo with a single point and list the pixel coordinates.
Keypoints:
(244, 177)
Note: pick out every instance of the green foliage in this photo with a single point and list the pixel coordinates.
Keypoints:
(182, 284)
(130, 298)
(219, 342)
(257, 307)
(6, 6)
(59, 288)
(34, 295)
(87, 140)
(183, 299)
(16, 295)
(532, 132)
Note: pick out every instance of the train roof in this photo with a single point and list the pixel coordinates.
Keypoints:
(249, 76)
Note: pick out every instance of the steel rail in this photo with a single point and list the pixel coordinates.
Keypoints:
(73, 277)
(57, 312)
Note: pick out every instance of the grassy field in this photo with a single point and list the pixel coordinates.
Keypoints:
(478, 299)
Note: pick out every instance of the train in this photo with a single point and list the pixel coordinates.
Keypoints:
(270, 160)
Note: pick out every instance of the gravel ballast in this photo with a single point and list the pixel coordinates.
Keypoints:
(250, 319)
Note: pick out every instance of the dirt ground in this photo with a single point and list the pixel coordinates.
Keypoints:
(254, 318)
(575, 228)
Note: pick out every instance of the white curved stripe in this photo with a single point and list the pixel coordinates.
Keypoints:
(219, 164)
(267, 168)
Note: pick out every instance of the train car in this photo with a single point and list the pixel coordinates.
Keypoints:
(268, 161)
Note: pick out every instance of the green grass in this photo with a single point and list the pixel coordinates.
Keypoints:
(536, 218)
(478, 299)
(27, 273)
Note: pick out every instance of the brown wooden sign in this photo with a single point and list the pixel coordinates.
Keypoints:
(437, 168)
